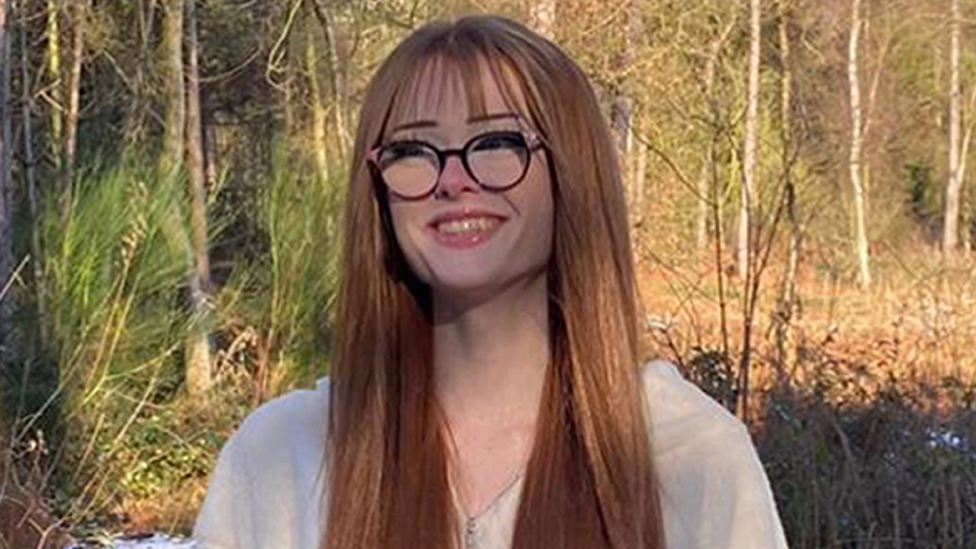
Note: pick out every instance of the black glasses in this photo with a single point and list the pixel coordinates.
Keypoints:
(496, 160)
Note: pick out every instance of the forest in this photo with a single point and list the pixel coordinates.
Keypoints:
(172, 175)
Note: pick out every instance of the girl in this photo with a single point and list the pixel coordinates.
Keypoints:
(485, 390)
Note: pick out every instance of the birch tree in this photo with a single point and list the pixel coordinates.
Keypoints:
(622, 114)
(950, 232)
(320, 122)
(749, 186)
(70, 145)
(174, 89)
(175, 143)
(788, 297)
(705, 175)
(199, 368)
(55, 86)
(857, 145)
(336, 72)
(751, 137)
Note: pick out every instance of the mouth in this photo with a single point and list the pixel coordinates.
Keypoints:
(465, 229)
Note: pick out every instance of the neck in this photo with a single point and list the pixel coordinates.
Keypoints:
(491, 354)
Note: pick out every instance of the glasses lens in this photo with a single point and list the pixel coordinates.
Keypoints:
(498, 159)
(409, 169)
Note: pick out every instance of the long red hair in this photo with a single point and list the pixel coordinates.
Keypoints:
(590, 480)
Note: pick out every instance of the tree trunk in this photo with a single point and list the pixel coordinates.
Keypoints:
(787, 306)
(749, 162)
(174, 91)
(54, 73)
(542, 17)
(640, 167)
(199, 364)
(950, 233)
(749, 157)
(33, 198)
(968, 225)
(293, 74)
(134, 126)
(319, 116)
(634, 39)
(622, 112)
(74, 98)
(9, 351)
(857, 138)
(708, 162)
(326, 18)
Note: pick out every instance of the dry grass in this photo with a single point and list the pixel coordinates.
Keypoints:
(916, 324)
(26, 520)
(867, 428)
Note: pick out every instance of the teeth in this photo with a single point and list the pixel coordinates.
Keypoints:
(469, 225)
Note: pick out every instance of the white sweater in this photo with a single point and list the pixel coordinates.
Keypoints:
(266, 490)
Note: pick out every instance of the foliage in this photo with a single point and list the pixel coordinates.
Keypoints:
(848, 473)
(96, 417)
(286, 293)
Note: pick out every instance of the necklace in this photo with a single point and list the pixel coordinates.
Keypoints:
(471, 531)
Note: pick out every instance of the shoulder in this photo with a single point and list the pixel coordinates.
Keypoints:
(681, 413)
(297, 418)
(266, 488)
(714, 490)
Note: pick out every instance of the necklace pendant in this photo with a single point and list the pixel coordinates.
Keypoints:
(470, 534)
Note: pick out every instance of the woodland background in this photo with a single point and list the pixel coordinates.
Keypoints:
(172, 172)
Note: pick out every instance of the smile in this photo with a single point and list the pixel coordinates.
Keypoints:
(468, 225)
(465, 231)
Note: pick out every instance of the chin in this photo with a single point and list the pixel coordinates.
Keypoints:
(462, 283)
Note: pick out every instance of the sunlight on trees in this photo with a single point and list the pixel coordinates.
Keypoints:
(171, 181)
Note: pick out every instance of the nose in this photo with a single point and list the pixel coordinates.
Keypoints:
(454, 179)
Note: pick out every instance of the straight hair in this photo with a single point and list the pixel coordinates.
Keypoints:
(590, 481)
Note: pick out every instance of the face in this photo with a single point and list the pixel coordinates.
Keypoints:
(463, 238)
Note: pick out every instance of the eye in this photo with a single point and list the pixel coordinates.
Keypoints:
(505, 141)
(406, 151)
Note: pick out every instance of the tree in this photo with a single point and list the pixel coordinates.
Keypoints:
(320, 122)
(70, 145)
(622, 108)
(174, 89)
(787, 303)
(176, 120)
(199, 368)
(857, 146)
(336, 70)
(30, 178)
(56, 95)
(751, 137)
(706, 174)
(950, 232)
(137, 113)
(8, 350)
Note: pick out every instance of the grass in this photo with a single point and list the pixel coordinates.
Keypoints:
(101, 436)
(868, 429)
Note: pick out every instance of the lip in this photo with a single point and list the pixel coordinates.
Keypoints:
(467, 240)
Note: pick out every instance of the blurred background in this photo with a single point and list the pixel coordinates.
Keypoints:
(171, 180)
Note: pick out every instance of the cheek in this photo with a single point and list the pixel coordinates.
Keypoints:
(405, 222)
(540, 196)
(401, 218)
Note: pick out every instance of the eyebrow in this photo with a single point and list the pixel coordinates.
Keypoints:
(471, 120)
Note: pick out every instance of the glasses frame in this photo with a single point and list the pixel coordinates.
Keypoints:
(532, 143)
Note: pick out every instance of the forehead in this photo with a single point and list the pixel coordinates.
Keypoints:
(473, 87)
